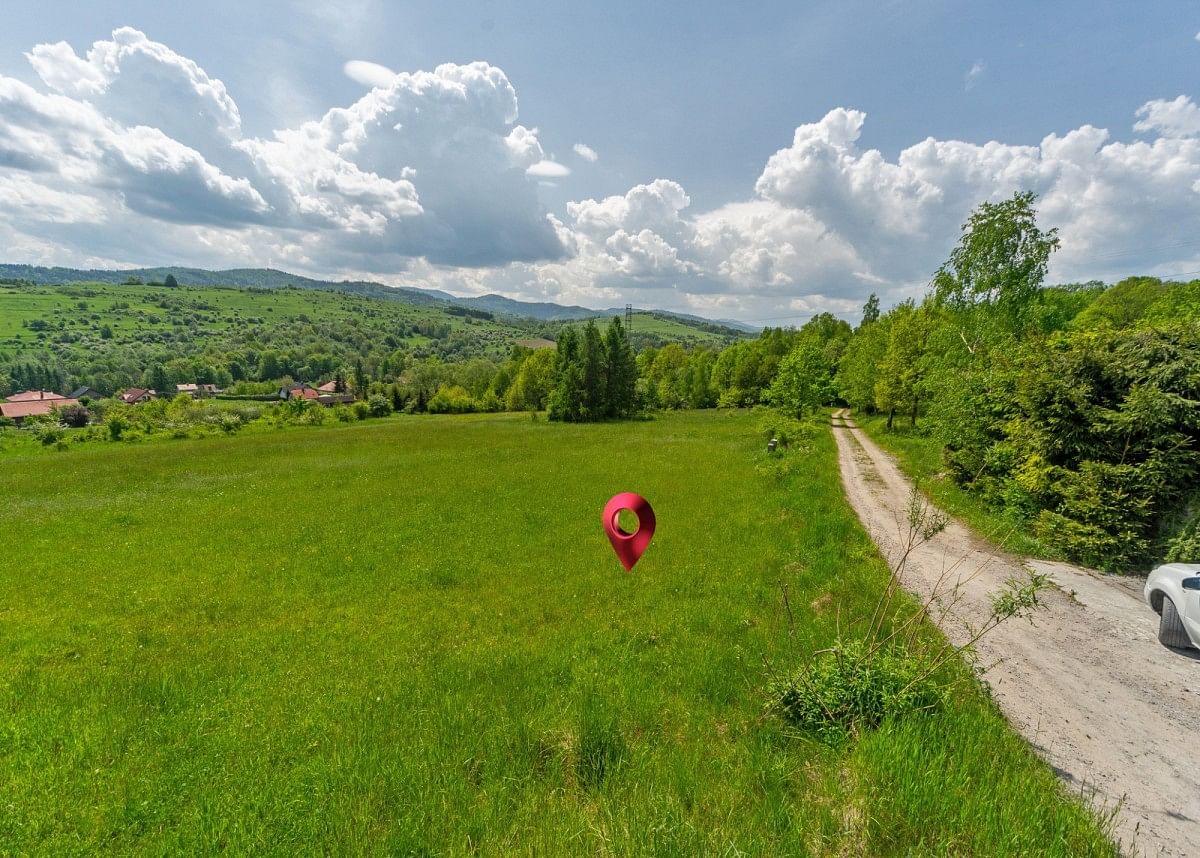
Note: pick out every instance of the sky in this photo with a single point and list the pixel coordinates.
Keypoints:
(761, 162)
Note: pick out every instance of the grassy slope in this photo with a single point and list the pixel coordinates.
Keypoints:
(920, 456)
(411, 635)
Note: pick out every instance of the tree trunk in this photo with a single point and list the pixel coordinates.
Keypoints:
(891, 417)
(914, 412)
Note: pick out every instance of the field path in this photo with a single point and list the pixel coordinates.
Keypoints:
(1116, 714)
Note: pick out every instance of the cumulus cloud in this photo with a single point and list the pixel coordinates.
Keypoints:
(586, 152)
(1179, 117)
(368, 73)
(133, 154)
(426, 164)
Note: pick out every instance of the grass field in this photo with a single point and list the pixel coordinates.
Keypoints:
(410, 636)
(920, 456)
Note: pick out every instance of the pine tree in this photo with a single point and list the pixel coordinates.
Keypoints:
(567, 400)
(620, 372)
(595, 396)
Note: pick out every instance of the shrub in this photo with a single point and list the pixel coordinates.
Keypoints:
(849, 688)
(49, 433)
(75, 416)
(361, 410)
(452, 400)
(116, 425)
(1185, 546)
(379, 405)
(343, 413)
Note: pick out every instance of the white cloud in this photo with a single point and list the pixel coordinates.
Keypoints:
(133, 154)
(545, 169)
(368, 73)
(1177, 118)
(586, 152)
(973, 75)
(427, 163)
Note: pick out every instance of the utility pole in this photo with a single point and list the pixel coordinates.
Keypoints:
(628, 319)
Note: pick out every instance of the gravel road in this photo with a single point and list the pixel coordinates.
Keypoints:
(1115, 713)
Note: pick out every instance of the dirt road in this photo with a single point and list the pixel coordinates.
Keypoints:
(1089, 686)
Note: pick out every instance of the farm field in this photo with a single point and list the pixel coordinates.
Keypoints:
(410, 636)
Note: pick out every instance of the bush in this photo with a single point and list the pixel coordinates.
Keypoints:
(1185, 546)
(379, 405)
(49, 434)
(75, 416)
(850, 688)
(452, 400)
(361, 410)
(116, 425)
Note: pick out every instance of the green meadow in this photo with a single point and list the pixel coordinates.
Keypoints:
(410, 636)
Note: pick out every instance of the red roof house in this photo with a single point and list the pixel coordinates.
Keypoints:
(136, 394)
(18, 411)
(34, 396)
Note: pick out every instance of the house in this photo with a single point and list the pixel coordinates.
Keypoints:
(197, 391)
(330, 399)
(328, 387)
(297, 391)
(137, 394)
(85, 392)
(18, 411)
(34, 396)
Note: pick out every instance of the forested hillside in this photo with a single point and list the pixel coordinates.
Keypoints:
(111, 337)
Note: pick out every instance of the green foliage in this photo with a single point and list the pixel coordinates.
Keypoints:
(453, 399)
(379, 405)
(899, 384)
(596, 376)
(858, 369)
(848, 688)
(75, 416)
(804, 380)
(1184, 547)
(1121, 305)
(993, 277)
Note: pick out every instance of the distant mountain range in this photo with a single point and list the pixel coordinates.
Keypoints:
(270, 278)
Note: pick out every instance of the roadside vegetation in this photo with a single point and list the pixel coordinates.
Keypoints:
(317, 641)
(1070, 414)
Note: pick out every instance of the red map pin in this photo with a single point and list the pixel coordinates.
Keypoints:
(629, 546)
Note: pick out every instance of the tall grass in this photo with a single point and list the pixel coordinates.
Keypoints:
(411, 636)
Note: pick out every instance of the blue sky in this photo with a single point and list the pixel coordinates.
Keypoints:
(689, 102)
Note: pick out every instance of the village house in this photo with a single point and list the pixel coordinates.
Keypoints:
(298, 391)
(137, 394)
(85, 392)
(18, 411)
(35, 395)
(328, 387)
(198, 391)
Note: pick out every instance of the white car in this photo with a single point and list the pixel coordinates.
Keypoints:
(1173, 591)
